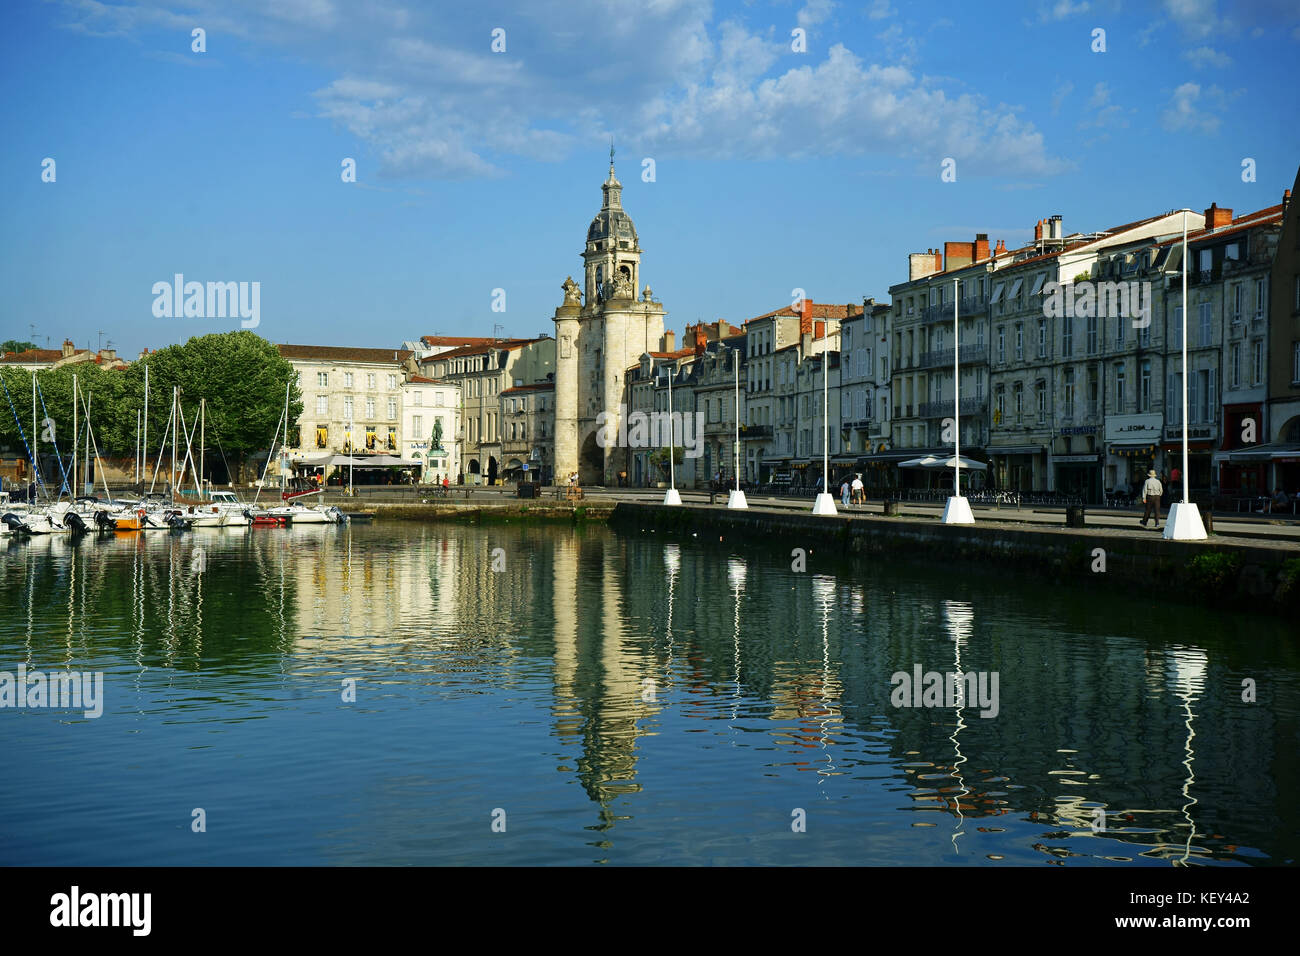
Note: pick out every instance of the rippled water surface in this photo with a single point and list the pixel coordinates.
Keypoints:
(621, 699)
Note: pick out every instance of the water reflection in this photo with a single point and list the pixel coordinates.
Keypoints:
(687, 695)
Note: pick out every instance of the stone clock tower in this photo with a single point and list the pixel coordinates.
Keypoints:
(601, 331)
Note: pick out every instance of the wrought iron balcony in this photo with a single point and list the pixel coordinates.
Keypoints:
(967, 308)
(755, 431)
(941, 409)
(938, 357)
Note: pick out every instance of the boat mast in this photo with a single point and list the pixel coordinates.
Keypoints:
(89, 484)
(144, 439)
(203, 426)
(36, 442)
(75, 435)
(175, 404)
(286, 440)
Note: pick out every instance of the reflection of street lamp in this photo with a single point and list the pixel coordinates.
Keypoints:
(736, 498)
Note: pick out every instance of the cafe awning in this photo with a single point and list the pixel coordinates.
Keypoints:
(1275, 451)
(1016, 450)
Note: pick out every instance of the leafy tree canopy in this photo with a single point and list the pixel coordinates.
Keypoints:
(240, 374)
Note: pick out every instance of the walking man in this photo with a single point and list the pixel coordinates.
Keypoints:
(859, 492)
(844, 493)
(1151, 492)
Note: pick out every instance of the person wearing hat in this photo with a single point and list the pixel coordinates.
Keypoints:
(1151, 492)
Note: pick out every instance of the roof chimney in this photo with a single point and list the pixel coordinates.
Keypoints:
(1056, 228)
(68, 348)
(805, 316)
(1216, 217)
(1038, 231)
(669, 343)
(701, 340)
(819, 329)
(981, 246)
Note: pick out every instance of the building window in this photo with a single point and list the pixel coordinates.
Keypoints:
(1257, 366)
(1042, 338)
(323, 379)
(347, 379)
(1020, 341)
(1120, 396)
(1120, 323)
(322, 405)
(370, 437)
(417, 427)
(1144, 386)
(1234, 364)
(370, 380)
(347, 407)
(1259, 298)
(437, 399)
(1000, 404)
(370, 408)
(1092, 335)
(1069, 393)
(1206, 331)
(1040, 391)
(1067, 336)
(1178, 324)
(392, 408)
(1238, 302)
(1002, 344)
(392, 382)
(322, 436)
(418, 397)
(392, 438)
(1295, 363)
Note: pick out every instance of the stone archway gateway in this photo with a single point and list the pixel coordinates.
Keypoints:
(591, 465)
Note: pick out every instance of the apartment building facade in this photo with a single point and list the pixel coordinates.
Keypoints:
(484, 372)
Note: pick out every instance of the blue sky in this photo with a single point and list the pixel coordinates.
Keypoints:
(477, 170)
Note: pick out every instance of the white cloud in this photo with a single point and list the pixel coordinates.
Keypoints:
(1061, 10)
(880, 10)
(1105, 114)
(815, 12)
(1204, 57)
(1194, 110)
(428, 97)
(1059, 95)
(1196, 17)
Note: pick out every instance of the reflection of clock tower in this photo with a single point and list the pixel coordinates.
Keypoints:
(597, 342)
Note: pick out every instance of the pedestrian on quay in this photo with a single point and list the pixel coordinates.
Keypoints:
(859, 492)
(844, 493)
(1152, 491)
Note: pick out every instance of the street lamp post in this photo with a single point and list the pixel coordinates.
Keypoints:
(671, 497)
(736, 497)
(1184, 520)
(825, 503)
(957, 510)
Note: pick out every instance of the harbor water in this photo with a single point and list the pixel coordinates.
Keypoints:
(409, 693)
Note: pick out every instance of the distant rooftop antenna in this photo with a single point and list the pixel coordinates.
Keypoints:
(497, 330)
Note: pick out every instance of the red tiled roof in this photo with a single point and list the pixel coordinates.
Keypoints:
(539, 387)
(820, 310)
(344, 354)
(1250, 220)
(422, 380)
(33, 355)
(455, 340)
(488, 346)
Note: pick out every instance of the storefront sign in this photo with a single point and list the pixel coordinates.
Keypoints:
(1194, 432)
(1079, 430)
(1133, 428)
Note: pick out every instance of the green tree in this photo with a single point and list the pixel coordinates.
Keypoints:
(240, 374)
(13, 345)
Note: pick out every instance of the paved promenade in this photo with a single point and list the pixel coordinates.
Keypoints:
(1256, 528)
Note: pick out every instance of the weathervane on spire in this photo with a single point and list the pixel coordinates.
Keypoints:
(611, 152)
